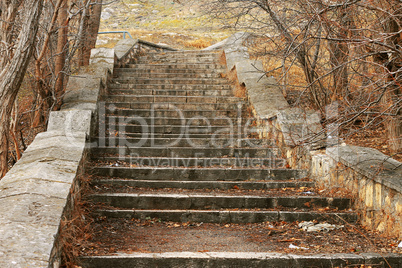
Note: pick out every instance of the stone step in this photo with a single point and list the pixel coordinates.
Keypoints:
(176, 106)
(179, 59)
(160, 92)
(170, 81)
(223, 185)
(228, 216)
(169, 86)
(172, 112)
(200, 174)
(121, 137)
(199, 67)
(210, 259)
(206, 142)
(167, 201)
(134, 161)
(169, 99)
(185, 152)
(179, 129)
(151, 75)
(148, 70)
(190, 52)
(180, 121)
(182, 54)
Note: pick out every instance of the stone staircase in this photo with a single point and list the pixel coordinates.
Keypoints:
(177, 146)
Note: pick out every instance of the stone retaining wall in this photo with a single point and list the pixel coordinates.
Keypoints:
(374, 179)
(40, 190)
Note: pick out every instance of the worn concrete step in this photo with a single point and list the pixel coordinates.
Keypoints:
(189, 52)
(173, 98)
(223, 185)
(210, 259)
(178, 129)
(167, 92)
(173, 112)
(185, 151)
(180, 121)
(199, 67)
(190, 136)
(229, 216)
(177, 75)
(134, 161)
(170, 81)
(123, 137)
(179, 59)
(206, 142)
(176, 106)
(181, 54)
(168, 86)
(213, 202)
(199, 174)
(148, 70)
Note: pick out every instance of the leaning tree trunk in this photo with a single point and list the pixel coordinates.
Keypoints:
(12, 75)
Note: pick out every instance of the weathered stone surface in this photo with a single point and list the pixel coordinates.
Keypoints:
(371, 163)
(58, 171)
(34, 193)
(264, 92)
(29, 223)
(26, 244)
(216, 46)
(102, 55)
(51, 154)
(82, 90)
(301, 127)
(234, 49)
(78, 106)
(124, 46)
(100, 70)
(372, 177)
(35, 208)
(31, 186)
(70, 122)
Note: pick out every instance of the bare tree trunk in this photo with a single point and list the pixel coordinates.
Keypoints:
(82, 33)
(339, 52)
(12, 75)
(393, 97)
(44, 92)
(8, 14)
(92, 31)
(300, 51)
(13, 132)
(61, 49)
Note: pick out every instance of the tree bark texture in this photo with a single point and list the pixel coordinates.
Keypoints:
(13, 73)
(60, 61)
(92, 30)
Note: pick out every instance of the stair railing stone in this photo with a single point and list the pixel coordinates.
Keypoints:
(128, 50)
(374, 179)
